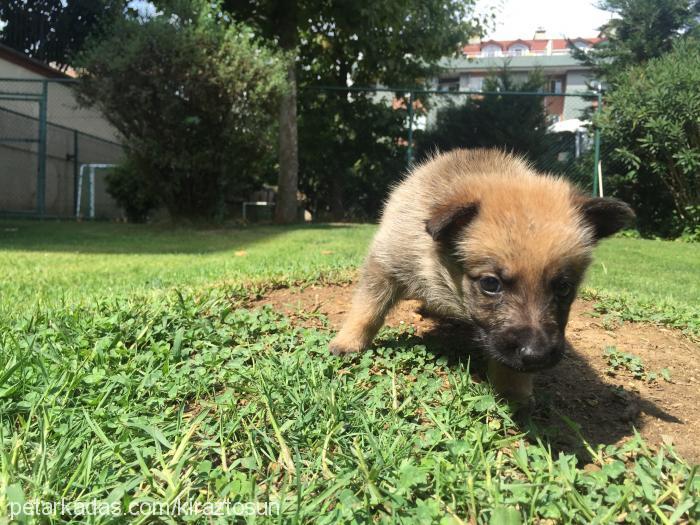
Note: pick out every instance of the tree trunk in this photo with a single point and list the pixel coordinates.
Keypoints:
(337, 205)
(337, 178)
(287, 185)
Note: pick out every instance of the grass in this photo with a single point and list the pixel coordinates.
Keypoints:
(133, 376)
(643, 280)
(58, 262)
(626, 362)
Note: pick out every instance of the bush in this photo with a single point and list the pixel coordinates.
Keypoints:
(349, 154)
(131, 189)
(194, 96)
(652, 117)
(514, 123)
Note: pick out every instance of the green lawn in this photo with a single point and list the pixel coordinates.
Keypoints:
(58, 261)
(132, 375)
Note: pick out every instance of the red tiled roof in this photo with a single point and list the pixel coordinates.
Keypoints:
(539, 44)
(563, 43)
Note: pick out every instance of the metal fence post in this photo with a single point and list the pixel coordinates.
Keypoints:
(76, 167)
(596, 156)
(409, 152)
(41, 175)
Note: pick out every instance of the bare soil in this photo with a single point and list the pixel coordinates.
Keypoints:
(608, 407)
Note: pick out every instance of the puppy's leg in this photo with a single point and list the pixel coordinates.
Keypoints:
(511, 384)
(374, 297)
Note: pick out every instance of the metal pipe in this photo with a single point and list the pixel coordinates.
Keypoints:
(79, 194)
(419, 91)
(76, 167)
(91, 183)
(41, 175)
(596, 158)
(409, 152)
(91, 188)
(57, 80)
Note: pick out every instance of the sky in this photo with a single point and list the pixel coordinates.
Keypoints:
(520, 18)
(560, 18)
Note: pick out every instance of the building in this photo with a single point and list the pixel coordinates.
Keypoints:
(551, 56)
(40, 165)
(22, 74)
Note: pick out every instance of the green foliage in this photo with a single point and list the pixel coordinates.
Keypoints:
(623, 361)
(132, 370)
(192, 397)
(63, 261)
(639, 31)
(193, 95)
(350, 153)
(653, 119)
(513, 123)
(129, 187)
(95, 259)
(393, 42)
(53, 31)
(516, 123)
(349, 146)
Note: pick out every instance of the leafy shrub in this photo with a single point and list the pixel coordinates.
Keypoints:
(516, 123)
(131, 189)
(652, 116)
(194, 96)
(347, 165)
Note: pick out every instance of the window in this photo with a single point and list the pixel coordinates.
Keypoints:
(476, 83)
(491, 51)
(448, 84)
(517, 50)
(555, 86)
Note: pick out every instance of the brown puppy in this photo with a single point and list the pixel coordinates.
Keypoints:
(477, 235)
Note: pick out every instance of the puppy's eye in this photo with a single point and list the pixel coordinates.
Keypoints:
(490, 285)
(563, 288)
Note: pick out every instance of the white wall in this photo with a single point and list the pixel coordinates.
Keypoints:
(63, 107)
(576, 82)
(19, 160)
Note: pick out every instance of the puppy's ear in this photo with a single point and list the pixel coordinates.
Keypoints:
(445, 221)
(605, 215)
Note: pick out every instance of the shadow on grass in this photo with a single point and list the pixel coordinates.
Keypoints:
(118, 238)
(573, 404)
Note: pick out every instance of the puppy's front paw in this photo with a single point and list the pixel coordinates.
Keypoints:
(342, 346)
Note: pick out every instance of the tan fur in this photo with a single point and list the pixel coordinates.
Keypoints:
(516, 386)
(528, 224)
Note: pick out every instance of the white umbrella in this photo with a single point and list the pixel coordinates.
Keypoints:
(571, 125)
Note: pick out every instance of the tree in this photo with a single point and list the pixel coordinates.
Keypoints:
(351, 153)
(365, 42)
(193, 95)
(639, 31)
(653, 119)
(54, 31)
(515, 123)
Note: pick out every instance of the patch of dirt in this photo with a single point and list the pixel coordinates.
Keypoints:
(607, 407)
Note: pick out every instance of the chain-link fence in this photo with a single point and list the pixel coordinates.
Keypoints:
(45, 138)
(356, 142)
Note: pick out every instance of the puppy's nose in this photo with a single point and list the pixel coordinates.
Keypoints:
(533, 356)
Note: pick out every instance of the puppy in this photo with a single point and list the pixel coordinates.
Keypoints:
(479, 236)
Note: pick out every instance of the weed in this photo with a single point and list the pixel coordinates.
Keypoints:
(631, 363)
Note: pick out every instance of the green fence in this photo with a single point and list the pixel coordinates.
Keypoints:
(347, 161)
(45, 138)
(354, 143)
